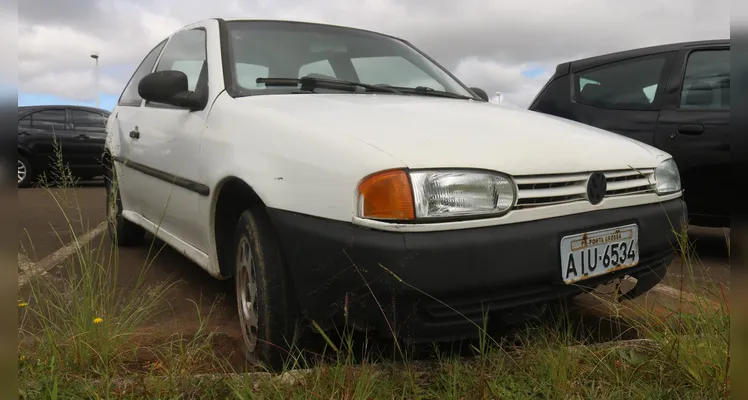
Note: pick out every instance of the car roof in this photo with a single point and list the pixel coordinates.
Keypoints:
(289, 21)
(583, 63)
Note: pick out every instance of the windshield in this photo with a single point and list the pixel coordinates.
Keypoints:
(262, 49)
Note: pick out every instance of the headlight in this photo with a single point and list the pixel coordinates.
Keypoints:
(398, 195)
(456, 193)
(667, 177)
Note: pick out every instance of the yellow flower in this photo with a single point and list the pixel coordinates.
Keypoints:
(22, 303)
(21, 357)
(98, 320)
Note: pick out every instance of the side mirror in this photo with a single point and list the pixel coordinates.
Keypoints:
(169, 87)
(480, 92)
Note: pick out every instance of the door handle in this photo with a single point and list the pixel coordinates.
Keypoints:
(691, 129)
(135, 134)
(24, 133)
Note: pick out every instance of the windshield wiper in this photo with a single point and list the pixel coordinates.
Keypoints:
(427, 91)
(310, 83)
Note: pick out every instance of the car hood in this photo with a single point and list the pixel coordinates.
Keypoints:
(429, 132)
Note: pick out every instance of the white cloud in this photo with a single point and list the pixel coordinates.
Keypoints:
(74, 85)
(493, 76)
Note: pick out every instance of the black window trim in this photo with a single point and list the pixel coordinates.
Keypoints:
(206, 87)
(682, 77)
(32, 111)
(72, 123)
(669, 56)
(121, 103)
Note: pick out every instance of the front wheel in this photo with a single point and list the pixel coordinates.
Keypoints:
(268, 310)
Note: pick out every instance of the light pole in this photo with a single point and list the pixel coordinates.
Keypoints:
(95, 56)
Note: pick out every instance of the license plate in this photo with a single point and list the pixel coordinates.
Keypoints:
(596, 253)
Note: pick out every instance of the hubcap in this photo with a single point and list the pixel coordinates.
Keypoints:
(246, 292)
(21, 171)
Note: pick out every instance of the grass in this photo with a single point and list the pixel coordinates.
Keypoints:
(79, 337)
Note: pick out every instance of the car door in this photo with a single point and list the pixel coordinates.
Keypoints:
(622, 96)
(88, 130)
(169, 143)
(124, 148)
(694, 126)
(45, 135)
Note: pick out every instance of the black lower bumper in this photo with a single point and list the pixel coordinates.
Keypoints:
(437, 285)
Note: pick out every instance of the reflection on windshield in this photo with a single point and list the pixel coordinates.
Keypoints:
(271, 49)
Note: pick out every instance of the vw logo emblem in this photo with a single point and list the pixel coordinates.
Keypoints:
(597, 185)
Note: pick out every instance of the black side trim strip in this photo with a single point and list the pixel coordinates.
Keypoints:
(193, 186)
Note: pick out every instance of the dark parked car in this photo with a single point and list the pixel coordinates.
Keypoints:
(675, 97)
(77, 131)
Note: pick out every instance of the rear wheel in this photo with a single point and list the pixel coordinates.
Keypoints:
(25, 172)
(121, 231)
(268, 310)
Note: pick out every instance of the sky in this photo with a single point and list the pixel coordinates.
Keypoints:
(511, 46)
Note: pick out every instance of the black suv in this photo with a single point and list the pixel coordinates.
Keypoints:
(79, 133)
(675, 97)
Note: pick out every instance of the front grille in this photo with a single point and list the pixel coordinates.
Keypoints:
(544, 190)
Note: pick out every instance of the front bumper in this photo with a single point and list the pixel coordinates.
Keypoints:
(340, 270)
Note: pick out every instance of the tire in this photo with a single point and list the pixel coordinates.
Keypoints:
(122, 232)
(257, 258)
(28, 172)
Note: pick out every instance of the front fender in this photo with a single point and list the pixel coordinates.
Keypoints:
(291, 165)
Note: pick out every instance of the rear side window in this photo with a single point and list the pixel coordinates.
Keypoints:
(87, 120)
(630, 84)
(25, 122)
(706, 84)
(130, 96)
(47, 120)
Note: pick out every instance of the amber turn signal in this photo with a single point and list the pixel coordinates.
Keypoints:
(387, 195)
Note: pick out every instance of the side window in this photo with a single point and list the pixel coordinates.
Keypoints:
(48, 120)
(706, 83)
(88, 121)
(247, 74)
(393, 71)
(321, 67)
(628, 84)
(130, 96)
(25, 122)
(186, 52)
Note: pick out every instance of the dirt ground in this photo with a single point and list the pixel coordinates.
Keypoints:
(46, 218)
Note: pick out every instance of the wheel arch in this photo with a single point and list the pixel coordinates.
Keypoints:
(232, 195)
(106, 163)
(24, 152)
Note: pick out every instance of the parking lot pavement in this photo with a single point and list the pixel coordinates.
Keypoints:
(39, 214)
(708, 266)
(46, 215)
(44, 211)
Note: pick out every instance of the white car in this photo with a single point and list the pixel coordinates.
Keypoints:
(342, 176)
